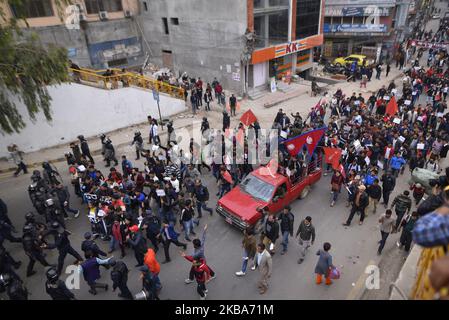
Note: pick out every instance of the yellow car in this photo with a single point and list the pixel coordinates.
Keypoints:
(343, 61)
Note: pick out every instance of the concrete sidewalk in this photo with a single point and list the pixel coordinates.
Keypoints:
(298, 100)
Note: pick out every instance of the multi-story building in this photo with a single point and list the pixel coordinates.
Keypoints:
(96, 33)
(352, 25)
(205, 37)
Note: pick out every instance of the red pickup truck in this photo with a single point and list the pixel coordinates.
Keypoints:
(240, 206)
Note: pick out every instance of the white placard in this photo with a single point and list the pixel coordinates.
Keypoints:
(407, 102)
(420, 146)
(397, 120)
(155, 148)
(386, 98)
(160, 192)
(357, 144)
(357, 102)
(394, 91)
(440, 114)
(414, 93)
(380, 164)
(228, 68)
(402, 139)
(367, 160)
(284, 134)
(419, 118)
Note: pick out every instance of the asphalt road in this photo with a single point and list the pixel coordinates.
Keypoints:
(353, 248)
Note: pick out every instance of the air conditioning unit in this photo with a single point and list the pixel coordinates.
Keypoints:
(82, 17)
(128, 14)
(103, 15)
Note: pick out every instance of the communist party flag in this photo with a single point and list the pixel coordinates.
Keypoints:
(333, 156)
(310, 139)
(248, 118)
(392, 107)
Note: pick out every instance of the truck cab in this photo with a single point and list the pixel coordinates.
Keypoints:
(240, 207)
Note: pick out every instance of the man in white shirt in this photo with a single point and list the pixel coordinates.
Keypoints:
(386, 227)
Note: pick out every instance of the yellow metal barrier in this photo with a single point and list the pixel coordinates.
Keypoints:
(94, 77)
(422, 290)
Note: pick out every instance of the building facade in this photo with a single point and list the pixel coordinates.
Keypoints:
(96, 33)
(205, 38)
(286, 33)
(364, 26)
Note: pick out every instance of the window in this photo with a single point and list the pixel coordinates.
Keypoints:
(95, 6)
(174, 21)
(145, 6)
(257, 188)
(278, 27)
(165, 22)
(307, 18)
(33, 9)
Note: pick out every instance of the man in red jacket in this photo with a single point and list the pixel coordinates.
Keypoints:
(202, 274)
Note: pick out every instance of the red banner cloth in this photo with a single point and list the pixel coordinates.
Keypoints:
(333, 156)
(248, 118)
(392, 107)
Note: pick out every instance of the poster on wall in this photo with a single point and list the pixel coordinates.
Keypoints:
(103, 52)
(236, 76)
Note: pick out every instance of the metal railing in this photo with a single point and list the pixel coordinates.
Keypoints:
(422, 289)
(97, 79)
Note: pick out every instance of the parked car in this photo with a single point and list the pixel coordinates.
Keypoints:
(240, 207)
(343, 61)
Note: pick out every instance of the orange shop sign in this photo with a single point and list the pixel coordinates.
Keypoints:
(286, 48)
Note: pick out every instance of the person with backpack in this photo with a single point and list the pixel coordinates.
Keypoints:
(119, 277)
(402, 204)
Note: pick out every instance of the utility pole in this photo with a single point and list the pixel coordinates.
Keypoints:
(249, 39)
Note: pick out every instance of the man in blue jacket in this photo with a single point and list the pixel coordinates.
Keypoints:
(396, 163)
(169, 235)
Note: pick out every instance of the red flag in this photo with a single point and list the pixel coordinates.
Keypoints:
(270, 169)
(248, 118)
(310, 139)
(333, 156)
(392, 107)
(227, 176)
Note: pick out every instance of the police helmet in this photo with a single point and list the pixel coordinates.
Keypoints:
(32, 187)
(27, 228)
(55, 225)
(52, 274)
(108, 140)
(29, 217)
(5, 279)
(49, 202)
(137, 133)
(103, 136)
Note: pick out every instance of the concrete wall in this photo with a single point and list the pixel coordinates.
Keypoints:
(79, 109)
(209, 36)
(79, 40)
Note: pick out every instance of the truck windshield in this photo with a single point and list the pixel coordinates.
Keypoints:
(257, 188)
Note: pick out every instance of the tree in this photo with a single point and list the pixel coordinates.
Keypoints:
(26, 67)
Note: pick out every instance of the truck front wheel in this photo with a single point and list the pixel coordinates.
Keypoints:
(304, 192)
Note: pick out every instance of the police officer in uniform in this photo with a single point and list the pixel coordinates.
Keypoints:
(62, 243)
(119, 277)
(50, 174)
(7, 263)
(138, 140)
(85, 148)
(14, 287)
(109, 153)
(53, 213)
(56, 288)
(32, 247)
(89, 245)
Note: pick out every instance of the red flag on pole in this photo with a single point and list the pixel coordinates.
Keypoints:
(310, 139)
(392, 107)
(333, 156)
(248, 118)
